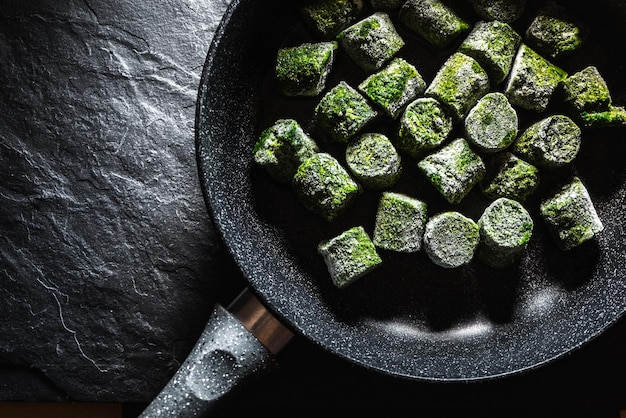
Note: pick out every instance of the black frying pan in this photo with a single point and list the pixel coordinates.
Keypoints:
(409, 318)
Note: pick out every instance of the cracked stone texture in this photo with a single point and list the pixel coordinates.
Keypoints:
(104, 229)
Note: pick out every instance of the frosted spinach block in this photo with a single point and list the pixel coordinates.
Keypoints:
(451, 239)
(324, 186)
(326, 18)
(459, 84)
(434, 21)
(494, 45)
(374, 161)
(453, 170)
(491, 125)
(509, 176)
(371, 42)
(549, 143)
(343, 112)
(349, 256)
(393, 87)
(506, 11)
(589, 99)
(282, 147)
(532, 80)
(400, 223)
(613, 116)
(424, 125)
(553, 33)
(505, 229)
(302, 70)
(586, 91)
(571, 215)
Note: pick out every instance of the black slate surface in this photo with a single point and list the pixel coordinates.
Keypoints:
(109, 265)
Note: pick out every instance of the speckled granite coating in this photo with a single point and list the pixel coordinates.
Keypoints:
(225, 356)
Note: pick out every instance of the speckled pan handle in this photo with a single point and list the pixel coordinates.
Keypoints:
(226, 355)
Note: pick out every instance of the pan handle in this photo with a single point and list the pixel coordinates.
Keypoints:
(237, 344)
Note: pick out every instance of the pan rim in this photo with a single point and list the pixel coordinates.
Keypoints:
(271, 302)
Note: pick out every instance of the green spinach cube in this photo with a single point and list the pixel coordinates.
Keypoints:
(371, 42)
(453, 170)
(393, 87)
(343, 112)
(303, 70)
(349, 256)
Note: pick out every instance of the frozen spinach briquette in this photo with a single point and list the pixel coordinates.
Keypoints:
(505, 229)
(374, 161)
(451, 239)
(586, 91)
(371, 42)
(400, 222)
(491, 125)
(589, 100)
(343, 112)
(459, 84)
(302, 70)
(554, 33)
(509, 176)
(453, 170)
(612, 117)
(326, 18)
(571, 215)
(494, 45)
(425, 124)
(393, 87)
(324, 186)
(549, 143)
(281, 148)
(532, 80)
(349, 256)
(433, 20)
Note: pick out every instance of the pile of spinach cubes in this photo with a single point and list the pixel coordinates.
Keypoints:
(493, 74)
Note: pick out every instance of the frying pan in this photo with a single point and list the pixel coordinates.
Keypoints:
(409, 318)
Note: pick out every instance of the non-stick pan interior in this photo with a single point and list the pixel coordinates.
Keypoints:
(409, 317)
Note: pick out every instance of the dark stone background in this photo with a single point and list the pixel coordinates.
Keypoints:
(109, 264)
